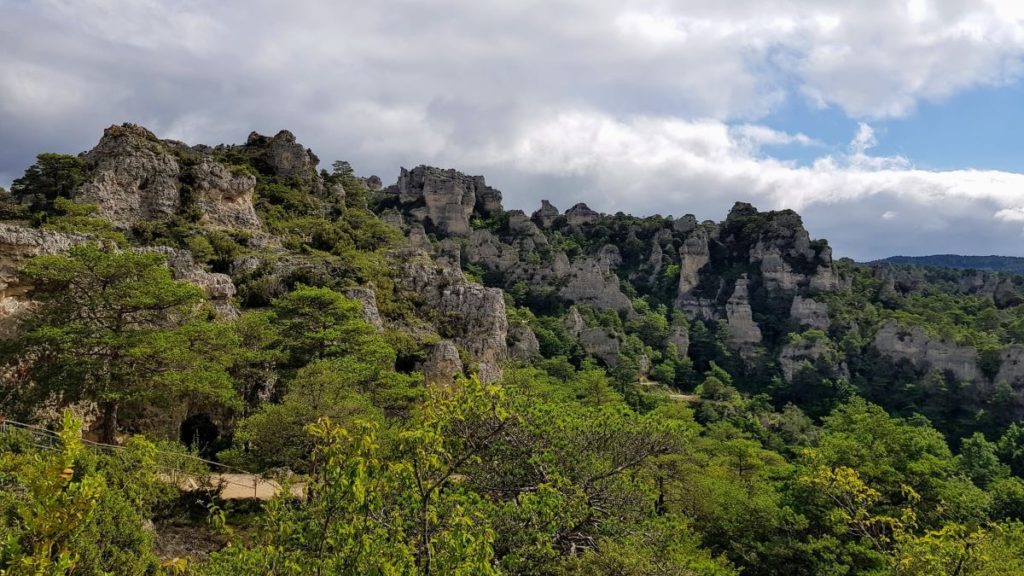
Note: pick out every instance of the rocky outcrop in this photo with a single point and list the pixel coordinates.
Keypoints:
(924, 351)
(442, 364)
(443, 199)
(744, 333)
(469, 314)
(223, 197)
(782, 248)
(18, 244)
(367, 299)
(547, 214)
(581, 215)
(591, 282)
(685, 224)
(694, 255)
(218, 288)
(597, 341)
(281, 156)
(134, 177)
(809, 313)
(1011, 367)
(522, 342)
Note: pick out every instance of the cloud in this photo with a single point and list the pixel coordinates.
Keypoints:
(1011, 214)
(640, 106)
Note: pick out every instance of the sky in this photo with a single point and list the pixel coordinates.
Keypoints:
(892, 126)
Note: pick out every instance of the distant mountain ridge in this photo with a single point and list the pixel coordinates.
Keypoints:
(1013, 264)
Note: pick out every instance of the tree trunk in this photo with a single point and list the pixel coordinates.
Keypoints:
(108, 425)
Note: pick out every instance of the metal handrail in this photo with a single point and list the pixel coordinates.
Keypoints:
(50, 435)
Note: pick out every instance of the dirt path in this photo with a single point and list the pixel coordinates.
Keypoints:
(238, 486)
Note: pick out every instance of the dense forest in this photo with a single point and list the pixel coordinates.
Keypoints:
(435, 384)
(1012, 264)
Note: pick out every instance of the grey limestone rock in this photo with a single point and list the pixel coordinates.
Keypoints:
(444, 199)
(546, 215)
(367, 298)
(135, 177)
(744, 333)
(694, 255)
(809, 313)
(591, 282)
(581, 215)
(443, 363)
(913, 343)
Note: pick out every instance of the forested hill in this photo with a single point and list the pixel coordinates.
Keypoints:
(1011, 264)
(457, 388)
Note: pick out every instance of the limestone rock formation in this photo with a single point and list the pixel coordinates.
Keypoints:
(367, 299)
(694, 255)
(581, 215)
(913, 343)
(597, 341)
(546, 215)
(679, 336)
(744, 333)
(18, 244)
(470, 314)
(219, 288)
(443, 199)
(809, 313)
(685, 224)
(443, 363)
(224, 198)
(592, 283)
(522, 342)
(134, 177)
(280, 155)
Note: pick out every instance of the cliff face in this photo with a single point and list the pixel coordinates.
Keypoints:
(913, 343)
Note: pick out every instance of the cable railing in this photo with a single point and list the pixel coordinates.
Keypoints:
(178, 474)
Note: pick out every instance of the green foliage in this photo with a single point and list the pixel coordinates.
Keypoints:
(68, 216)
(373, 507)
(115, 329)
(51, 177)
(75, 513)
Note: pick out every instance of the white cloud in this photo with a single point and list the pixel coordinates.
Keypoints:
(888, 215)
(1011, 214)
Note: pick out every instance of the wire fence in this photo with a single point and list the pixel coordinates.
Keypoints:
(179, 468)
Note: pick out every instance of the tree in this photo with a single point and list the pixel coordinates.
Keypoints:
(316, 323)
(52, 176)
(114, 328)
(978, 460)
